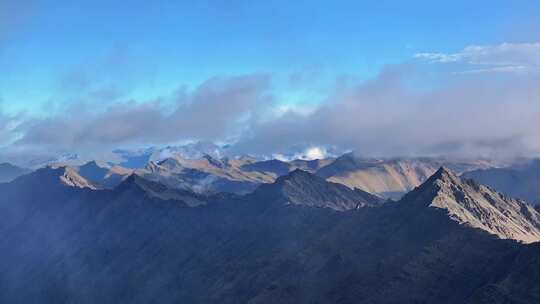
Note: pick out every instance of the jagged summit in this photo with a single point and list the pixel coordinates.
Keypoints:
(133, 180)
(444, 173)
(303, 188)
(96, 164)
(100, 174)
(72, 178)
(51, 176)
(390, 177)
(477, 206)
(298, 175)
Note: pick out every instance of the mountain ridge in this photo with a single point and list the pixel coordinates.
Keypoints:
(114, 246)
(478, 206)
(303, 188)
(389, 178)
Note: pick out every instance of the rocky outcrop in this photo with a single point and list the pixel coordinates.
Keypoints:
(390, 178)
(478, 206)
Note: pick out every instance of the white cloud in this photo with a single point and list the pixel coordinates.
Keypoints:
(505, 57)
(314, 153)
(438, 57)
(213, 111)
(485, 115)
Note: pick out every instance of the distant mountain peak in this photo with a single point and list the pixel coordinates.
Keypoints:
(59, 176)
(133, 179)
(139, 184)
(300, 187)
(299, 174)
(445, 174)
(95, 164)
(477, 206)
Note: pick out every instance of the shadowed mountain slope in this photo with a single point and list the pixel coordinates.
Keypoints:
(64, 244)
(303, 188)
(9, 172)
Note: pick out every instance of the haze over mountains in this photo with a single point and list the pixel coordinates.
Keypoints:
(202, 167)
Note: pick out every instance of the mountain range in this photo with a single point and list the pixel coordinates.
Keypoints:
(297, 238)
(393, 177)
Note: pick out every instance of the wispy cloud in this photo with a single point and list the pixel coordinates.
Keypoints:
(505, 57)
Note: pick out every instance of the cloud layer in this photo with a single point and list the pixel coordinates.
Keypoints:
(213, 111)
(481, 116)
(404, 111)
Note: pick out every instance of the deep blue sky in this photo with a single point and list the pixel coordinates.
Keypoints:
(147, 49)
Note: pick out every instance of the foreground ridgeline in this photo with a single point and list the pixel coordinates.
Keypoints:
(72, 235)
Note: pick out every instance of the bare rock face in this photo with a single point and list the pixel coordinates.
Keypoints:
(55, 177)
(478, 206)
(71, 178)
(205, 175)
(211, 175)
(389, 178)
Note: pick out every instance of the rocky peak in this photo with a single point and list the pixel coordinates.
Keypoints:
(71, 178)
(477, 206)
(95, 164)
(57, 176)
(299, 175)
(300, 187)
